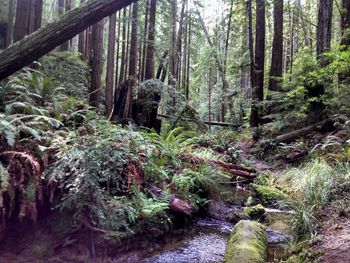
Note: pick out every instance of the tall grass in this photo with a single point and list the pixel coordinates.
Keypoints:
(311, 188)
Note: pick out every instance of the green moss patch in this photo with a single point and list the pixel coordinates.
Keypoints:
(255, 212)
(247, 244)
(269, 194)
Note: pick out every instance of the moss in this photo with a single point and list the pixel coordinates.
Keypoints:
(269, 194)
(255, 212)
(247, 244)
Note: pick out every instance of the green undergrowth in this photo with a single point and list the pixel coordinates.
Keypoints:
(307, 191)
(103, 177)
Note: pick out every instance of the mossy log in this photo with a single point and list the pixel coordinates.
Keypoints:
(254, 212)
(31, 48)
(268, 194)
(247, 244)
(291, 136)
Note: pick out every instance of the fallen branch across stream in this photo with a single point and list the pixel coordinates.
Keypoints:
(231, 168)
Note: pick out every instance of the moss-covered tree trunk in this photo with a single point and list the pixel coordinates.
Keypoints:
(247, 244)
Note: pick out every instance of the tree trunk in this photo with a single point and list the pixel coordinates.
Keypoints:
(251, 42)
(324, 26)
(149, 71)
(277, 47)
(345, 23)
(187, 89)
(132, 61)
(11, 15)
(38, 14)
(96, 63)
(123, 56)
(173, 46)
(258, 89)
(50, 36)
(117, 55)
(81, 39)
(21, 28)
(110, 64)
(143, 50)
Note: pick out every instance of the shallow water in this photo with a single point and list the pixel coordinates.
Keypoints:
(205, 244)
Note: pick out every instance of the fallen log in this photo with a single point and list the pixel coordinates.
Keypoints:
(214, 123)
(44, 40)
(176, 205)
(247, 244)
(291, 136)
(231, 168)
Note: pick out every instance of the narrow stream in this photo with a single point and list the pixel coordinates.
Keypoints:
(205, 240)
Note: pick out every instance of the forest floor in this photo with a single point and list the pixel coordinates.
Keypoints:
(334, 244)
(334, 232)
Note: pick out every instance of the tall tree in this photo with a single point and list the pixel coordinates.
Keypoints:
(277, 47)
(123, 55)
(172, 64)
(324, 27)
(345, 22)
(10, 19)
(143, 49)
(110, 64)
(96, 63)
(21, 28)
(149, 70)
(251, 41)
(258, 89)
(81, 39)
(132, 60)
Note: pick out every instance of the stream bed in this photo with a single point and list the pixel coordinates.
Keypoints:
(203, 242)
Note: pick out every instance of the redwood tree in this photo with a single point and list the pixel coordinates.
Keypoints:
(132, 60)
(21, 28)
(149, 71)
(345, 22)
(96, 63)
(110, 64)
(258, 75)
(277, 47)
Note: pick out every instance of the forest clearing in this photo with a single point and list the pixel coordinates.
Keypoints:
(174, 131)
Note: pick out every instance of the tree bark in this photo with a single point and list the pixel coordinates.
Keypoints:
(345, 23)
(110, 64)
(277, 47)
(123, 56)
(96, 63)
(251, 42)
(149, 71)
(50, 36)
(132, 60)
(81, 38)
(38, 14)
(11, 15)
(258, 89)
(143, 50)
(21, 28)
(324, 26)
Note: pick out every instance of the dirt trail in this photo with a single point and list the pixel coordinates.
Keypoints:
(335, 241)
(245, 153)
